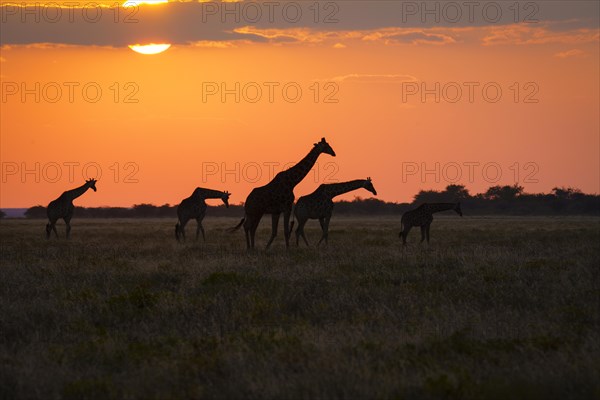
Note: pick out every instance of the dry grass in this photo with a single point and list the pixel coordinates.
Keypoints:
(495, 308)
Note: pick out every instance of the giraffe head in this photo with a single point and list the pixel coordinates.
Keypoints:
(225, 198)
(91, 184)
(324, 147)
(458, 210)
(369, 186)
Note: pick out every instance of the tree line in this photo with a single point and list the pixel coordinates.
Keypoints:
(497, 200)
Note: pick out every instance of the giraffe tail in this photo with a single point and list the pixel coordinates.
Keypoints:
(235, 228)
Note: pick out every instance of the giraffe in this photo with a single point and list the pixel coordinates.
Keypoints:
(422, 216)
(63, 207)
(277, 197)
(195, 207)
(319, 205)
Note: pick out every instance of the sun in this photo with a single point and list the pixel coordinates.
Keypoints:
(152, 48)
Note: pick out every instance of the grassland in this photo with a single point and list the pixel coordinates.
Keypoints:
(493, 308)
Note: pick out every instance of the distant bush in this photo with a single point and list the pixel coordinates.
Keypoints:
(36, 212)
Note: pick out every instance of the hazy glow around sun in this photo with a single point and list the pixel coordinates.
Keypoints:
(151, 48)
(133, 3)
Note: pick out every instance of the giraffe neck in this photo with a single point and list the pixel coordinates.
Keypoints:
(437, 207)
(296, 173)
(202, 193)
(75, 193)
(336, 189)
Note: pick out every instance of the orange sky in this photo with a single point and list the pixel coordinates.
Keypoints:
(171, 138)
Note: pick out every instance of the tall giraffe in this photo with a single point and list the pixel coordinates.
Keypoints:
(422, 216)
(319, 205)
(63, 207)
(277, 197)
(195, 207)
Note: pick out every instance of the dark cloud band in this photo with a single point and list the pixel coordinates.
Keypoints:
(86, 23)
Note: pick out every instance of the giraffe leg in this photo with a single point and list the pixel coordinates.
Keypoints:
(405, 234)
(286, 226)
(48, 230)
(322, 222)
(300, 232)
(274, 224)
(247, 225)
(253, 229)
(199, 229)
(202, 230)
(182, 228)
(326, 229)
(68, 223)
(304, 236)
(51, 227)
(427, 232)
(423, 233)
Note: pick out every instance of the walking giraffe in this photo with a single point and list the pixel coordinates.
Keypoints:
(319, 205)
(195, 207)
(422, 216)
(63, 207)
(277, 197)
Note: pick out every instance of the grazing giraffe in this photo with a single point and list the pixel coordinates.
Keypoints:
(319, 205)
(195, 207)
(63, 207)
(422, 216)
(277, 197)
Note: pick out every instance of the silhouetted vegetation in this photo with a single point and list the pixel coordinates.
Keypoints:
(497, 200)
(137, 211)
(2, 214)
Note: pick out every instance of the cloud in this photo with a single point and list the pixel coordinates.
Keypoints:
(410, 36)
(371, 78)
(542, 34)
(569, 53)
(190, 22)
(215, 44)
(282, 35)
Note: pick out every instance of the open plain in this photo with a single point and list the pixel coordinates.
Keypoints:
(493, 307)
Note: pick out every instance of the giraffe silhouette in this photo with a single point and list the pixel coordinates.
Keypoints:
(63, 207)
(195, 207)
(319, 205)
(277, 197)
(422, 216)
